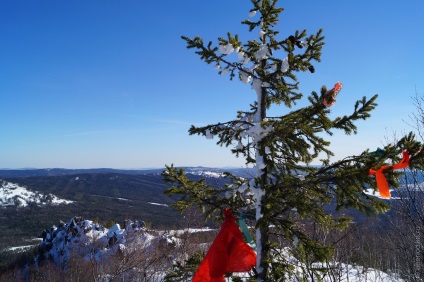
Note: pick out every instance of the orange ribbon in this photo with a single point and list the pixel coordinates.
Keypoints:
(382, 184)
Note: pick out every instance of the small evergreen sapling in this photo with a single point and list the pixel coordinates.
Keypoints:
(286, 193)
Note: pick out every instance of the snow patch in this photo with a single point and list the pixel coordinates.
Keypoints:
(157, 204)
(372, 192)
(20, 249)
(189, 230)
(205, 172)
(12, 194)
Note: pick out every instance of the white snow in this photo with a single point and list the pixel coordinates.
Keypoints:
(376, 193)
(262, 52)
(20, 248)
(261, 33)
(341, 273)
(245, 77)
(224, 71)
(157, 204)
(190, 230)
(354, 273)
(246, 60)
(205, 172)
(336, 271)
(240, 55)
(13, 194)
(208, 134)
(304, 43)
(115, 231)
(285, 65)
(267, 150)
(226, 49)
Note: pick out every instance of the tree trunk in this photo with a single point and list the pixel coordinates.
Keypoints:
(262, 233)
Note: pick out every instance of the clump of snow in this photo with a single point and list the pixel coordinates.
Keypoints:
(261, 33)
(285, 65)
(226, 49)
(12, 194)
(244, 77)
(224, 71)
(376, 193)
(115, 231)
(262, 53)
(208, 134)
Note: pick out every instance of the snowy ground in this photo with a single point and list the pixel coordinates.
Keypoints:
(13, 194)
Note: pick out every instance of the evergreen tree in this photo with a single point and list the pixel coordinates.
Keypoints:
(287, 193)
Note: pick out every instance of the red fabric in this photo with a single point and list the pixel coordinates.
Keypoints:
(382, 184)
(404, 162)
(228, 253)
(330, 95)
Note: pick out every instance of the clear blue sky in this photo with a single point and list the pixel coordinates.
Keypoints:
(87, 84)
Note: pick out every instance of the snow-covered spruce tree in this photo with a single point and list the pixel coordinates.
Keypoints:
(286, 193)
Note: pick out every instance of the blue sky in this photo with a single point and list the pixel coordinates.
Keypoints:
(87, 84)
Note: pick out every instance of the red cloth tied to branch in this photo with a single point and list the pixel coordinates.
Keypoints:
(228, 253)
(382, 184)
(330, 95)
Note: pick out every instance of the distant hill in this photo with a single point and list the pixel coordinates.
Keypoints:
(101, 194)
(206, 171)
(4, 173)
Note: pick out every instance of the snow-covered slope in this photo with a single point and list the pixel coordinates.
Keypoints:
(12, 194)
(205, 172)
(209, 172)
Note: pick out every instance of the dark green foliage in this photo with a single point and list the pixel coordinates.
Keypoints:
(201, 194)
(184, 271)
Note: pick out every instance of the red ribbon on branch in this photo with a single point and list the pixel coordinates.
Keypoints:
(228, 253)
(330, 96)
(382, 184)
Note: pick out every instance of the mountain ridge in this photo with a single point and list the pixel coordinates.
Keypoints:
(63, 171)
